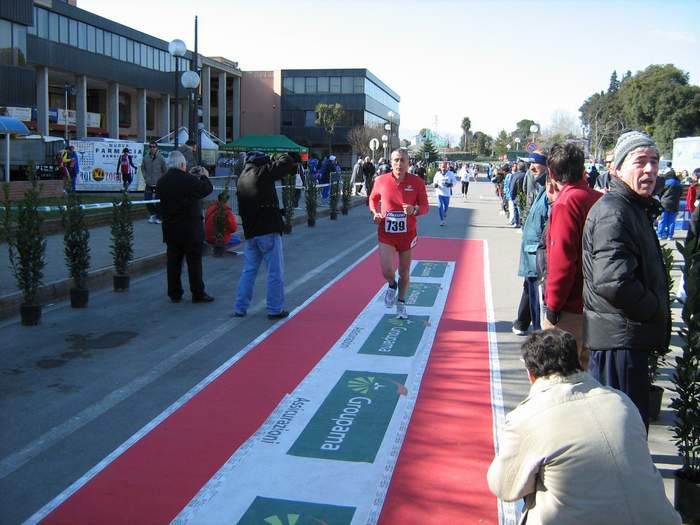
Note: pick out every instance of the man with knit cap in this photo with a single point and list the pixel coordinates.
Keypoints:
(626, 303)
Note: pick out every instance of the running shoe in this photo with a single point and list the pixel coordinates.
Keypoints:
(518, 331)
(390, 297)
(401, 310)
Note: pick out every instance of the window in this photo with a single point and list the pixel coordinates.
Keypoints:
(62, 29)
(137, 53)
(299, 86)
(32, 30)
(115, 46)
(323, 84)
(150, 113)
(144, 55)
(129, 50)
(19, 43)
(166, 61)
(288, 86)
(347, 85)
(73, 32)
(82, 35)
(91, 39)
(53, 27)
(5, 42)
(108, 43)
(359, 85)
(311, 84)
(310, 119)
(335, 85)
(124, 110)
(122, 48)
(42, 25)
(149, 49)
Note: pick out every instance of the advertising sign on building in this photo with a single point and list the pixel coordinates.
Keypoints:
(98, 164)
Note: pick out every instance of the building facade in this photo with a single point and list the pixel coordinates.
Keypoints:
(261, 102)
(365, 99)
(62, 65)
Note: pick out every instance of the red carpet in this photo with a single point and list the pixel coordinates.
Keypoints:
(440, 475)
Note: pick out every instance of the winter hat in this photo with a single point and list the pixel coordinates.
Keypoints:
(257, 157)
(628, 142)
(332, 157)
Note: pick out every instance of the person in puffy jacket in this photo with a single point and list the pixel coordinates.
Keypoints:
(670, 202)
(625, 294)
(230, 240)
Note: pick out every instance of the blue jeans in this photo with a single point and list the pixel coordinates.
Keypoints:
(444, 203)
(149, 193)
(667, 224)
(268, 247)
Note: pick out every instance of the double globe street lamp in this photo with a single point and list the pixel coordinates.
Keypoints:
(190, 81)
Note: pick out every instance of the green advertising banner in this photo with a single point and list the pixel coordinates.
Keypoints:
(351, 422)
(422, 294)
(396, 337)
(429, 269)
(269, 511)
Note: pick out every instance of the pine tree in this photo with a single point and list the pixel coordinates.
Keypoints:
(429, 148)
(614, 82)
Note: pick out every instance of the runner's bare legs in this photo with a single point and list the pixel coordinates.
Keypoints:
(387, 261)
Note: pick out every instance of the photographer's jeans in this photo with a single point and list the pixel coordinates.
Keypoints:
(269, 248)
(149, 193)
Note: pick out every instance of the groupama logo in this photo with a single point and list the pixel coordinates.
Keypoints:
(367, 385)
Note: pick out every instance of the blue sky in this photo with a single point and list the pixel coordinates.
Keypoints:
(493, 61)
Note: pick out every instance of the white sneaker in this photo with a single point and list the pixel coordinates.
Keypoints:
(442, 223)
(401, 310)
(390, 297)
(158, 221)
(152, 219)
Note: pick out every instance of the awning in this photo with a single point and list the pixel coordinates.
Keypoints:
(265, 143)
(12, 126)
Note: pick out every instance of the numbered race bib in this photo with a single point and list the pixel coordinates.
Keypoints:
(395, 222)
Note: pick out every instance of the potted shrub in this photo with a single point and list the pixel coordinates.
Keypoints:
(686, 385)
(311, 198)
(26, 248)
(333, 201)
(657, 356)
(122, 241)
(76, 249)
(347, 190)
(288, 201)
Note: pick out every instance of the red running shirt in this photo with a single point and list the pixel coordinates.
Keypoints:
(388, 194)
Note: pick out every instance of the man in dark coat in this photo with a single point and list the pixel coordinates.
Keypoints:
(368, 171)
(259, 209)
(626, 303)
(183, 232)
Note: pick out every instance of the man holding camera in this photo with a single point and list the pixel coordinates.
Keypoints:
(397, 198)
(183, 232)
(263, 225)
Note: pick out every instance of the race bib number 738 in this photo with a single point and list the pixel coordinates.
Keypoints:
(395, 222)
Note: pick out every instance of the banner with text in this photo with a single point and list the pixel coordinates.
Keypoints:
(98, 164)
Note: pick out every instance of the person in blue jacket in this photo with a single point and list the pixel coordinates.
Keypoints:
(670, 202)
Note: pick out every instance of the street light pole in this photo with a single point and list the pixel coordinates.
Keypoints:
(177, 49)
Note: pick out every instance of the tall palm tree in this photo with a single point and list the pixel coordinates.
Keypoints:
(466, 124)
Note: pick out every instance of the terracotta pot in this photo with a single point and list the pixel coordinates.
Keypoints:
(686, 495)
(656, 394)
(30, 314)
(79, 297)
(121, 283)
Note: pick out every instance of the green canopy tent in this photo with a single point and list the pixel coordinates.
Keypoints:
(265, 143)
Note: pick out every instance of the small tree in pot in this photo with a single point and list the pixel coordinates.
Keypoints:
(311, 200)
(26, 248)
(76, 249)
(220, 222)
(122, 241)
(288, 201)
(686, 384)
(333, 201)
(347, 190)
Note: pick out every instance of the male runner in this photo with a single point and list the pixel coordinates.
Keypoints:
(403, 197)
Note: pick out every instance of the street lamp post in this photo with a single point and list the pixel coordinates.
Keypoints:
(517, 143)
(177, 48)
(67, 89)
(391, 128)
(384, 143)
(387, 128)
(190, 81)
(534, 129)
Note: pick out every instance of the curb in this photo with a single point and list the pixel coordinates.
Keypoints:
(102, 278)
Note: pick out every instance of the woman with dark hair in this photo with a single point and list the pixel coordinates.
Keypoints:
(125, 165)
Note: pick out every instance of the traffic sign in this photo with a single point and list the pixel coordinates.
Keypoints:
(531, 147)
(374, 144)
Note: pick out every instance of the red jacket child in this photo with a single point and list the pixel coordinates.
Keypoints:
(210, 223)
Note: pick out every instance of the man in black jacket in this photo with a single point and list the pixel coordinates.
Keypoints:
(626, 303)
(183, 230)
(260, 212)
